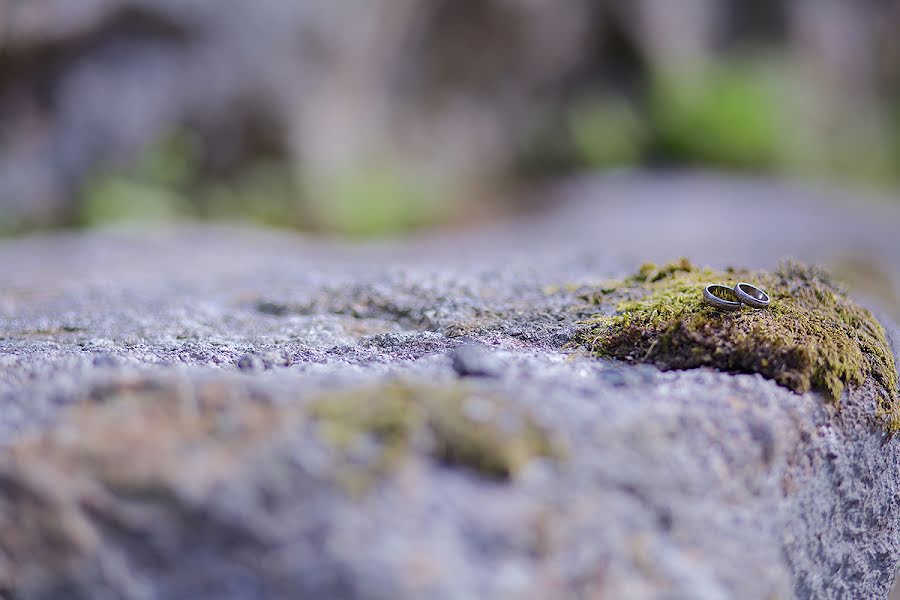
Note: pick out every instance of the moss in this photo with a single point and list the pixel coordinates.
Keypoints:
(454, 425)
(62, 329)
(204, 433)
(649, 272)
(812, 337)
(387, 416)
(484, 434)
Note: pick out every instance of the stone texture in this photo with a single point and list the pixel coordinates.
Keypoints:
(159, 438)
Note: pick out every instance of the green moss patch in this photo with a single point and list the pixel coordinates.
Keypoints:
(453, 424)
(812, 337)
(207, 433)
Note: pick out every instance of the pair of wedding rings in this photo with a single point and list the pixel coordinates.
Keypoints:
(743, 293)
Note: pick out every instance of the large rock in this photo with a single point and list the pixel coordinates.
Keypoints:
(234, 413)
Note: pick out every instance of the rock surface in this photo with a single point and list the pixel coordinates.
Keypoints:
(164, 435)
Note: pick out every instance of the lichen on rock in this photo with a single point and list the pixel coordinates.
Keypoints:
(144, 457)
(812, 337)
(454, 424)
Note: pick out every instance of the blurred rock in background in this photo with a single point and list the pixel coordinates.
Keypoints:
(373, 116)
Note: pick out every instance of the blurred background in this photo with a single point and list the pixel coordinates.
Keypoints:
(377, 117)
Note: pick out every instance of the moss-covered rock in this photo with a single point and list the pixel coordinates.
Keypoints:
(203, 437)
(812, 337)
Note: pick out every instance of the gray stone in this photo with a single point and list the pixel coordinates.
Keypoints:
(142, 459)
(471, 360)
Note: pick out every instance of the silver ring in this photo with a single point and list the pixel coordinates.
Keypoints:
(721, 303)
(751, 295)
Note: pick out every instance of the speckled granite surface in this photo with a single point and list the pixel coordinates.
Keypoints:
(158, 439)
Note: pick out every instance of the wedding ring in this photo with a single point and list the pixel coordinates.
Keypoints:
(713, 295)
(751, 295)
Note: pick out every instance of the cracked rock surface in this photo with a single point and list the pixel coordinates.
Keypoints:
(233, 413)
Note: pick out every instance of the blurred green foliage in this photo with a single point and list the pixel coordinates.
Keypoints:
(263, 192)
(372, 200)
(168, 183)
(730, 117)
(606, 131)
(741, 113)
(151, 189)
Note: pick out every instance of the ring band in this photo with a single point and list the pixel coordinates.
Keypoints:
(751, 295)
(721, 303)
